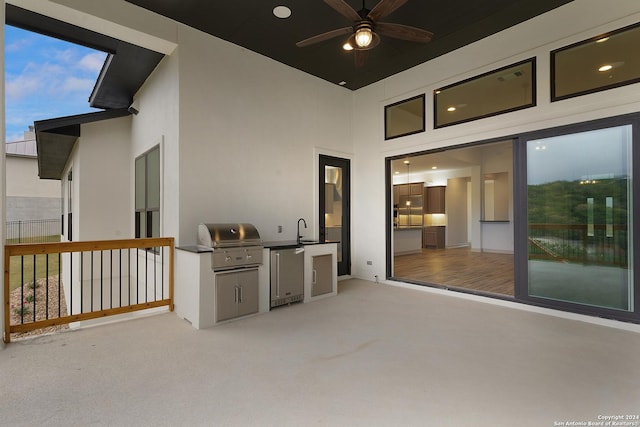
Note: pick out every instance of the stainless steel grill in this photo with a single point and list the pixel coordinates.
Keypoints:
(234, 245)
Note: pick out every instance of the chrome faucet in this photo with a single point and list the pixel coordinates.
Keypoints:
(305, 226)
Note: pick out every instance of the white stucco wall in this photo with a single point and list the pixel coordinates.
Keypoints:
(23, 181)
(571, 23)
(2, 163)
(250, 129)
(157, 122)
(102, 176)
(28, 197)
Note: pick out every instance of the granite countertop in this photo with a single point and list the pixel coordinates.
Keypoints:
(274, 244)
(282, 244)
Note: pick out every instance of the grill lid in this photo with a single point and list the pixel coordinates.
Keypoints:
(225, 235)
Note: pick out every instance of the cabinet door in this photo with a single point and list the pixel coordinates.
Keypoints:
(226, 296)
(236, 294)
(248, 297)
(435, 200)
(322, 279)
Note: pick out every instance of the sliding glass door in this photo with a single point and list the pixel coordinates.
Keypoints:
(579, 219)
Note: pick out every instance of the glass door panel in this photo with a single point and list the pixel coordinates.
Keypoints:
(579, 215)
(334, 206)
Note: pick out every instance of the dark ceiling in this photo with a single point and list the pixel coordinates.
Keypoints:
(251, 24)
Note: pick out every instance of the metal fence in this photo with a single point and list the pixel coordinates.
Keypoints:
(33, 231)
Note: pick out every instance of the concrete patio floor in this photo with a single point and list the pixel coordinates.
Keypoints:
(375, 355)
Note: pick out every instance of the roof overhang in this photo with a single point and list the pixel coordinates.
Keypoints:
(125, 70)
(55, 139)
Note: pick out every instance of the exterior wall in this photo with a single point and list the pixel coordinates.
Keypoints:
(3, 189)
(29, 197)
(250, 131)
(158, 123)
(104, 182)
(561, 28)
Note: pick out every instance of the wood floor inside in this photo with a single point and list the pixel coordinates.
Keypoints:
(458, 268)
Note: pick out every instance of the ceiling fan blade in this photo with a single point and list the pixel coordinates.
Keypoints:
(325, 36)
(384, 8)
(404, 32)
(344, 9)
(360, 57)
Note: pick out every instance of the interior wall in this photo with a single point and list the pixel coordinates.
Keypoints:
(456, 207)
(250, 131)
(512, 45)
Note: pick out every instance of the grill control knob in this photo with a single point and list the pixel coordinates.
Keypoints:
(227, 258)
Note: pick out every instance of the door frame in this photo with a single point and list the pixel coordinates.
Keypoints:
(323, 159)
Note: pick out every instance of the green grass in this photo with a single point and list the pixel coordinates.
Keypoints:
(21, 267)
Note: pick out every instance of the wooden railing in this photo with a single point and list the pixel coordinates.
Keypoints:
(53, 284)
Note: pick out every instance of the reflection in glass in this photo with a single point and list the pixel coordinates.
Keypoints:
(507, 89)
(333, 206)
(404, 117)
(596, 64)
(579, 216)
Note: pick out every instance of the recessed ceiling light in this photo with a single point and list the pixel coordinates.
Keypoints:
(605, 67)
(434, 167)
(282, 12)
(397, 172)
(451, 109)
(406, 162)
(602, 40)
(342, 83)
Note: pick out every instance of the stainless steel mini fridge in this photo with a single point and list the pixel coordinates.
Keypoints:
(287, 276)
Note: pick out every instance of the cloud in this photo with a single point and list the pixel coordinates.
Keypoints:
(65, 56)
(18, 45)
(92, 62)
(22, 86)
(75, 84)
(45, 78)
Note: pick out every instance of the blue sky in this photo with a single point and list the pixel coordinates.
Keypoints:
(45, 78)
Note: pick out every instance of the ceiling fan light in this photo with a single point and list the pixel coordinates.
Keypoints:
(364, 37)
(347, 46)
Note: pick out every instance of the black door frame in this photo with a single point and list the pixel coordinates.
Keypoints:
(344, 267)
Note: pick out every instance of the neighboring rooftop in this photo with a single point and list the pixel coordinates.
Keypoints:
(25, 147)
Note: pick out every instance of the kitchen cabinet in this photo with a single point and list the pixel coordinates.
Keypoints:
(434, 237)
(236, 294)
(408, 205)
(321, 277)
(434, 200)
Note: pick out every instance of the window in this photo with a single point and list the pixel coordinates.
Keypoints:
(597, 64)
(69, 206)
(506, 89)
(147, 194)
(578, 237)
(404, 118)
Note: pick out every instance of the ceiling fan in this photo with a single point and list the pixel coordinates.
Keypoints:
(367, 27)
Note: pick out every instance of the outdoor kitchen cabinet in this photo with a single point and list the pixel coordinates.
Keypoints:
(236, 294)
(321, 275)
(320, 271)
